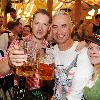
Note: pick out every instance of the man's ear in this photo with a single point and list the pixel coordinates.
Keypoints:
(72, 27)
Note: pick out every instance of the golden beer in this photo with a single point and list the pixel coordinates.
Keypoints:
(46, 71)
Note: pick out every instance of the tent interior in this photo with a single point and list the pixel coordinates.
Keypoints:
(78, 9)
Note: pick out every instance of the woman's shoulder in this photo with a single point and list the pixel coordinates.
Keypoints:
(93, 84)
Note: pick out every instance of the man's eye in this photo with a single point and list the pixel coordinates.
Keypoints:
(64, 25)
(36, 22)
(90, 48)
(54, 26)
(45, 24)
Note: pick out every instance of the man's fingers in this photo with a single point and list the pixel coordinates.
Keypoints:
(18, 63)
(18, 60)
(13, 56)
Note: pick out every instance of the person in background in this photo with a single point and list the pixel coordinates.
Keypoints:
(14, 16)
(72, 68)
(92, 89)
(14, 28)
(83, 30)
(2, 28)
(27, 30)
(95, 25)
(21, 25)
(75, 34)
(6, 73)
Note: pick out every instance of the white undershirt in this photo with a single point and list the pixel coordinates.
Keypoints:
(84, 70)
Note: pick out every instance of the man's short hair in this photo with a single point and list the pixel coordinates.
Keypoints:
(12, 10)
(59, 13)
(12, 24)
(44, 12)
(28, 27)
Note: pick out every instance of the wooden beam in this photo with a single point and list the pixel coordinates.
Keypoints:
(77, 12)
(4, 3)
(50, 6)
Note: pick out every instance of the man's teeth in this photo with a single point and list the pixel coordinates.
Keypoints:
(61, 36)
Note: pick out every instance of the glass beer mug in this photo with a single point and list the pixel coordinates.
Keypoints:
(27, 69)
(46, 64)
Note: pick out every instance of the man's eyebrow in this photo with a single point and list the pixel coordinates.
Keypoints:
(57, 25)
(64, 24)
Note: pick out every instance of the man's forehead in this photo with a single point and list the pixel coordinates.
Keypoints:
(41, 18)
(11, 13)
(40, 15)
(60, 19)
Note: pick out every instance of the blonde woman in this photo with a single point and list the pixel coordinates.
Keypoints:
(92, 90)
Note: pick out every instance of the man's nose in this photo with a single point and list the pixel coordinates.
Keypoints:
(40, 27)
(59, 30)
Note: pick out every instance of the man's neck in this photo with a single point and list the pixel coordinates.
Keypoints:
(15, 18)
(36, 39)
(65, 46)
(38, 42)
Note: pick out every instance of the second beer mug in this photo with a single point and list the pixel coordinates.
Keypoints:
(46, 64)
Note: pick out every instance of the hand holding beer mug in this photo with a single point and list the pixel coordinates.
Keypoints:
(46, 64)
(22, 58)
